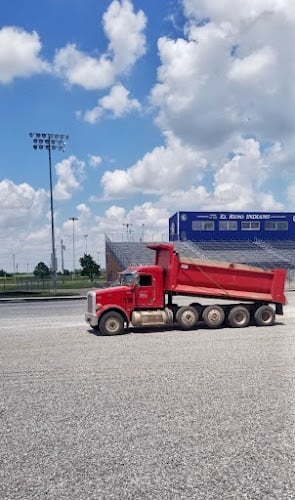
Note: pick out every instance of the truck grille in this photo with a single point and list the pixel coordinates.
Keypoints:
(91, 302)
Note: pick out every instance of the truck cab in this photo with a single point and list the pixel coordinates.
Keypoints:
(139, 289)
(146, 285)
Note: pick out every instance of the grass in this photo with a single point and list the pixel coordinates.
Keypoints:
(29, 286)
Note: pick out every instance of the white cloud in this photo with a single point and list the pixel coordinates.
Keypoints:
(158, 171)
(117, 103)
(243, 11)
(19, 54)
(94, 160)
(291, 193)
(193, 198)
(230, 76)
(70, 173)
(111, 222)
(84, 213)
(40, 235)
(142, 222)
(252, 67)
(81, 69)
(149, 222)
(115, 214)
(23, 222)
(237, 183)
(191, 95)
(19, 203)
(124, 29)
(150, 215)
(91, 115)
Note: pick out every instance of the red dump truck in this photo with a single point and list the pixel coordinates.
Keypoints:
(146, 294)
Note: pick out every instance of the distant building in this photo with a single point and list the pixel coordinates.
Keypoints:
(198, 226)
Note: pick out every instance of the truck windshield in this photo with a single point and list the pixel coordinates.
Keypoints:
(127, 278)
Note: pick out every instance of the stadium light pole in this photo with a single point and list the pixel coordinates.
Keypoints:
(49, 142)
(73, 219)
(128, 231)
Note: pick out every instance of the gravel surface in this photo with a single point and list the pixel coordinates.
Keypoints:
(205, 414)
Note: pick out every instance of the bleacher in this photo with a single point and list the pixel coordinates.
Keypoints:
(131, 253)
(284, 249)
(256, 253)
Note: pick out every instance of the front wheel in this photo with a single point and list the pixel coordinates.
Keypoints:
(187, 317)
(112, 323)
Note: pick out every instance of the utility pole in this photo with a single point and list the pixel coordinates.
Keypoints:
(74, 219)
(62, 248)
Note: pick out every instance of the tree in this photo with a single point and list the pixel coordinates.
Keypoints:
(89, 267)
(41, 270)
(4, 274)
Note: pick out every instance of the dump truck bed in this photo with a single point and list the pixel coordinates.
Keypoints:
(227, 280)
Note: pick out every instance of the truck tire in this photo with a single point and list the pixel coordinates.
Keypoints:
(264, 316)
(238, 317)
(112, 323)
(213, 316)
(187, 317)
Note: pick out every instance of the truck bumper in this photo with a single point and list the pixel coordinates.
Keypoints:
(92, 319)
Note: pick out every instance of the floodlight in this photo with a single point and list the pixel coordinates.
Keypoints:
(42, 140)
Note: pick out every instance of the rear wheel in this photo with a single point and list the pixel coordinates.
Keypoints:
(187, 317)
(112, 323)
(238, 317)
(213, 316)
(264, 316)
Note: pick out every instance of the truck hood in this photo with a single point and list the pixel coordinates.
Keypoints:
(108, 294)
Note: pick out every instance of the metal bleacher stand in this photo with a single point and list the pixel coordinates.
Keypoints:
(259, 253)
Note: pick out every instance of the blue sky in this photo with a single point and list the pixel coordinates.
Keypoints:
(169, 105)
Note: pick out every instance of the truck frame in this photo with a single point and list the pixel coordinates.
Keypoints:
(145, 297)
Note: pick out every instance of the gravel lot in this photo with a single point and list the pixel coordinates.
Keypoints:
(151, 415)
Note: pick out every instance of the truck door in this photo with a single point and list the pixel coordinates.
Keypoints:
(145, 291)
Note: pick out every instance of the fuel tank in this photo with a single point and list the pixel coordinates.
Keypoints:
(153, 317)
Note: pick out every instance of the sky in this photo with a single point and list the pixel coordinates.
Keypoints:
(168, 104)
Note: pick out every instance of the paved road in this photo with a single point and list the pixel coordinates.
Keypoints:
(150, 415)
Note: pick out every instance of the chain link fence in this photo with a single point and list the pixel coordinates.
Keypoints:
(33, 285)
